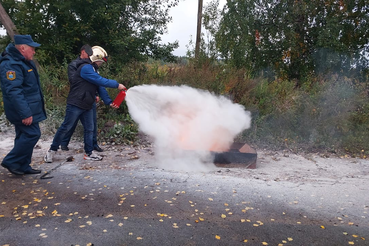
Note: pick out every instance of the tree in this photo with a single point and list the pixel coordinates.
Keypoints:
(127, 29)
(294, 38)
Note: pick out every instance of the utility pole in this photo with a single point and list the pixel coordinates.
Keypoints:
(198, 36)
(7, 23)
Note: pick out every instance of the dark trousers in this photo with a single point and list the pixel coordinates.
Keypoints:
(72, 115)
(68, 135)
(25, 140)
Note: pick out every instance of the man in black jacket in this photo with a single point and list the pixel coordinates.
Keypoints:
(86, 52)
(84, 85)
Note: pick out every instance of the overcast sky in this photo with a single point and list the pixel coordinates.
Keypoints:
(184, 24)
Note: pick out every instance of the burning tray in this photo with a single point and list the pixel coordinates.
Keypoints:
(238, 155)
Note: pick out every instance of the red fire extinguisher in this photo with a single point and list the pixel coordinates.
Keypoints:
(120, 97)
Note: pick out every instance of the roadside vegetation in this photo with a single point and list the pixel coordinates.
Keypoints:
(301, 68)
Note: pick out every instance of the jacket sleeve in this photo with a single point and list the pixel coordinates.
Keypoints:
(88, 73)
(13, 89)
(104, 95)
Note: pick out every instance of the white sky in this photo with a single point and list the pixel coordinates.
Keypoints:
(184, 24)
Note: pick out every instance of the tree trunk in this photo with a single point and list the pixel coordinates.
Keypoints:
(7, 23)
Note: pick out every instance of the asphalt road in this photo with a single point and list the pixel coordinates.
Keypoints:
(134, 203)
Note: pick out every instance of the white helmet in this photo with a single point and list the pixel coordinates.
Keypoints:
(99, 54)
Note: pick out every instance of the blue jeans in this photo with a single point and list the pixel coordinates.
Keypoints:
(69, 134)
(25, 140)
(72, 115)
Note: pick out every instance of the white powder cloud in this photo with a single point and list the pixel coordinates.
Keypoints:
(186, 123)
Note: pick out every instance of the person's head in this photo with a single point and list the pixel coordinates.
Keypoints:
(99, 55)
(26, 46)
(86, 51)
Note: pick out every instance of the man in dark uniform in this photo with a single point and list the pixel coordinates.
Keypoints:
(23, 102)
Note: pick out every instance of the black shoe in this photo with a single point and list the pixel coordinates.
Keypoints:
(65, 148)
(13, 171)
(98, 149)
(32, 171)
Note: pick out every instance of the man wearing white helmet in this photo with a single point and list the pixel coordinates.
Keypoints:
(84, 85)
(86, 52)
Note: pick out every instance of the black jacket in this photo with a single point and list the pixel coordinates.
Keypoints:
(82, 94)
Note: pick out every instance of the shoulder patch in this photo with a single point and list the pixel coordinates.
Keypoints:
(10, 75)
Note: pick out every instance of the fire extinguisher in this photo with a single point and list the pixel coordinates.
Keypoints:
(120, 97)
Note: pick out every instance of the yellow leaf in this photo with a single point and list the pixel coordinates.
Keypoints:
(224, 216)
(245, 241)
(217, 237)
(201, 219)
(264, 243)
(351, 243)
(322, 227)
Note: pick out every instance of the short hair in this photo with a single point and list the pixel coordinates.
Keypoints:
(87, 48)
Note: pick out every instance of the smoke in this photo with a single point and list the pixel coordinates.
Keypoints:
(186, 124)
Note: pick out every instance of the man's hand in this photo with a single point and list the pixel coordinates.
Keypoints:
(97, 99)
(121, 87)
(113, 105)
(27, 121)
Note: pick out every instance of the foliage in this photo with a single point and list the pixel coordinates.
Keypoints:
(292, 39)
(127, 29)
